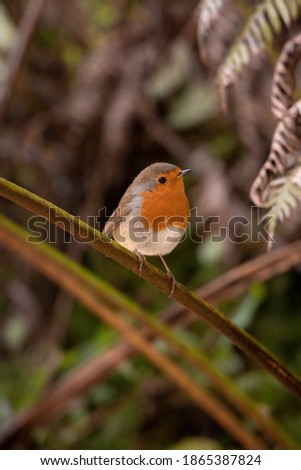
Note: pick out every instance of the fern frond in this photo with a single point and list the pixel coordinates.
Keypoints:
(209, 11)
(266, 21)
(283, 195)
(285, 146)
(284, 77)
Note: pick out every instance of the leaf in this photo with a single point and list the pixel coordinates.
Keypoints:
(173, 72)
(258, 33)
(284, 11)
(209, 11)
(15, 332)
(284, 153)
(284, 77)
(197, 443)
(284, 197)
(246, 310)
(7, 30)
(196, 104)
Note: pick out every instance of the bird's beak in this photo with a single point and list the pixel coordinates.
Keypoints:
(184, 172)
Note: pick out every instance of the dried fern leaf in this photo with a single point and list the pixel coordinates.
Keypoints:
(285, 147)
(259, 31)
(284, 78)
(286, 9)
(284, 195)
(209, 11)
(273, 17)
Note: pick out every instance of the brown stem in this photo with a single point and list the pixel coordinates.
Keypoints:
(65, 273)
(233, 282)
(210, 315)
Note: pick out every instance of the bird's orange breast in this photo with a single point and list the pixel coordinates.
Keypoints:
(165, 207)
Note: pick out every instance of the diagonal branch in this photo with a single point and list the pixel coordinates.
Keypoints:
(97, 369)
(59, 398)
(154, 276)
(77, 282)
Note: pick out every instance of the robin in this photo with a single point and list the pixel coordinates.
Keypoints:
(152, 215)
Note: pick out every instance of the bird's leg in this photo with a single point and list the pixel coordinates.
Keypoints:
(170, 275)
(141, 261)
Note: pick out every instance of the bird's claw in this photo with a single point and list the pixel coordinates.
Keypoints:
(171, 277)
(142, 260)
(173, 283)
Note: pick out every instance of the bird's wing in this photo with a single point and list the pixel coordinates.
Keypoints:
(114, 221)
(124, 208)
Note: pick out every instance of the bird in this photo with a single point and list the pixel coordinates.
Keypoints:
(152, 215)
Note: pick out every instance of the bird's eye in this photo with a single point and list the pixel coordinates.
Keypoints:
(162, 180)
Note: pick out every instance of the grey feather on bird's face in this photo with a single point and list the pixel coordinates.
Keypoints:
(147, 178)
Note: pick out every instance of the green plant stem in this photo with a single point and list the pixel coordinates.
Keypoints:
(210, 315)
(155, 328)
(219, 383)
(66, 274)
